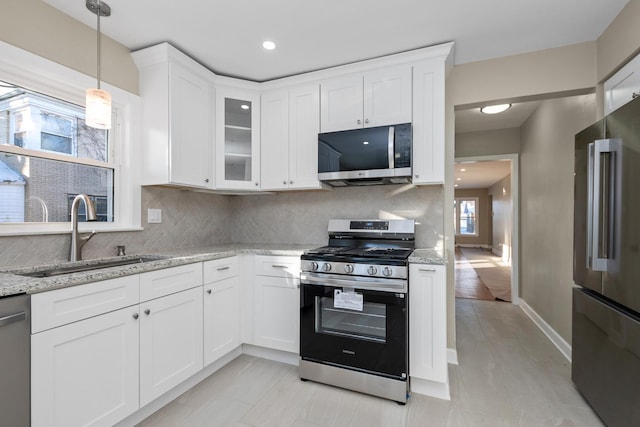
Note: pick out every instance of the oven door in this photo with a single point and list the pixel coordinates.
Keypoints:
(355, 328)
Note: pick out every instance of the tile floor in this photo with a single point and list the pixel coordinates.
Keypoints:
(509, 375)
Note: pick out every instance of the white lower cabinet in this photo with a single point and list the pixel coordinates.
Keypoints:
(277, 303)
(86, 373)
(222, 313)
(170, 342)
(98, 353)
(428, 367)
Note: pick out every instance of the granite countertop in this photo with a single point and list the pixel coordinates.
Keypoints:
(427, 256)
(12, 283)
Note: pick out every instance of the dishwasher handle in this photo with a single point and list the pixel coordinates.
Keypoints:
(12, 318)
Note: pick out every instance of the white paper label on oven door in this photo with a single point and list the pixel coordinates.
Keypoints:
(348, 300)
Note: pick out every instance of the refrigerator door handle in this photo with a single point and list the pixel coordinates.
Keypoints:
(601, 210)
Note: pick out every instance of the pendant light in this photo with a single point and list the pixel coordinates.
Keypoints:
(98, 101)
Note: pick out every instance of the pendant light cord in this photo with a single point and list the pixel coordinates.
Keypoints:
(99, 40)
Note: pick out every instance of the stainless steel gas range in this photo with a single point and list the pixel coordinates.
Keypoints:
(354, 307)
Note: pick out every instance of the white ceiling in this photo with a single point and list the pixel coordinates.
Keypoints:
(226, 36)
(480, 174)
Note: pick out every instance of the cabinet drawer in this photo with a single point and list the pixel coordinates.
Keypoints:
(62, 306)
(159, 283)
(277, 266)
(220, 269)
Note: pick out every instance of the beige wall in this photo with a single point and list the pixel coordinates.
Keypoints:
(488, 143)
(526, 76)
(35, 26)
(546, 194)
(501, 210)
(619, 42)
(483, 215)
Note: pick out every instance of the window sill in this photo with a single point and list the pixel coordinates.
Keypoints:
(9, 229)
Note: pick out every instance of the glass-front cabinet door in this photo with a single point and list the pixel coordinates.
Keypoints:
(237, 139)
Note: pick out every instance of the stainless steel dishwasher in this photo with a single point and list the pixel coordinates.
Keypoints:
(15, 360)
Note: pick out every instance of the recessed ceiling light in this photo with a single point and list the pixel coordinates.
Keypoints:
(455, 185)
(463, 170)
(244, 106)
(495, 109)
(269, 45)
(365, 142)
(458, 179)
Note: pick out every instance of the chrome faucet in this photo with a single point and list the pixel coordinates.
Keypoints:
(77, 241)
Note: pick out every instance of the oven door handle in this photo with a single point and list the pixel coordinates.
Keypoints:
(389, 285)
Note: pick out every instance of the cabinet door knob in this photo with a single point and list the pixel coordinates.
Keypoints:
(634, 95)
(284, 182)
(366, 120)
(206, 180)
(417, 176)
(147, 311)
(359, 121)
(136, 315)
(209, 291)
(257, 184)
(290, 182)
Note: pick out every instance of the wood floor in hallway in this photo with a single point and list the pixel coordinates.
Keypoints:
(509, 374)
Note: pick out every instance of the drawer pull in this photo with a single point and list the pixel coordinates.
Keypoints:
(428, 270)
(278, 266)
(223, 268)
(209, 291)
(147, 312)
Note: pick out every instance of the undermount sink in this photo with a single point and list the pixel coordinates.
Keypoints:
(90, 265)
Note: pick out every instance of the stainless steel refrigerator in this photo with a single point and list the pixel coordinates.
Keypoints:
(606, 305)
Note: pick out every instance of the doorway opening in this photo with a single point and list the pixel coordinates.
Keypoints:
(486, 227)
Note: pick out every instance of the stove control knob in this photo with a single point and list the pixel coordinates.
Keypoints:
(326, 266)
(372, 270)
(387, 271)
(314, 266)
(348, 268)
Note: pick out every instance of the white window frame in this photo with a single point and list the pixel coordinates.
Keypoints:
(36, 73)
(457, 217)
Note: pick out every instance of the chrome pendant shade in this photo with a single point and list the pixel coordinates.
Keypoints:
(98, 101)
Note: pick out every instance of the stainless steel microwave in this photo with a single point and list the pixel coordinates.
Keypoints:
(367, 156)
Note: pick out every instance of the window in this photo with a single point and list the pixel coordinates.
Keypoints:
(48, 154)
(54, 154)
(465, 216)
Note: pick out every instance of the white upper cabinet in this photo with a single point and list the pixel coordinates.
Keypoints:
(177, 112)
(237, 139)
(375, 98)
(428, 121)
(623, 86)
(290, 125)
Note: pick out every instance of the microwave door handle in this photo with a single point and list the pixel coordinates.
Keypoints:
(391, 147)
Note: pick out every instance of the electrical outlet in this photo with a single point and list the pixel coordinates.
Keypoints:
(154, 216)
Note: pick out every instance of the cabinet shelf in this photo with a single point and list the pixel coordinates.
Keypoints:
(238, 155)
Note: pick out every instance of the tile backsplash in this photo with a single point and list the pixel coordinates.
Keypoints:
(193, 219)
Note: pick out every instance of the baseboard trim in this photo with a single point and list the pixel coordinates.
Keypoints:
(271, 354)
(431, 388)
(473, 245)
(561, 344)
(452, 356)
